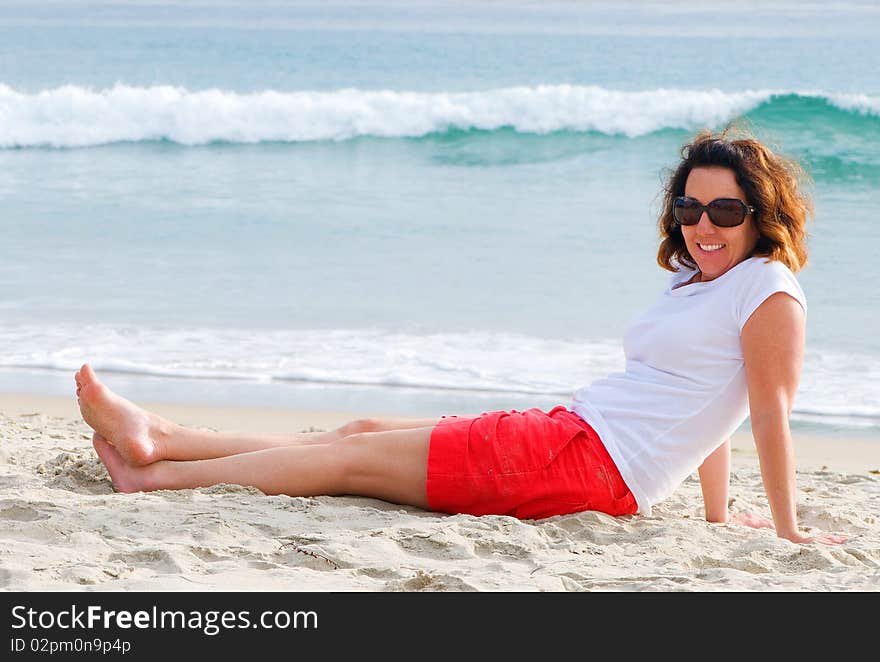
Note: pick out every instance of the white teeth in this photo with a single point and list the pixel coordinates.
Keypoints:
(710, 247)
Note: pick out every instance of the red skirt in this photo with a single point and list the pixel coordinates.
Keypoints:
(528, 464)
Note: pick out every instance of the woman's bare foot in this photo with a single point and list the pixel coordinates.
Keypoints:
(134, 433)
(126, 478)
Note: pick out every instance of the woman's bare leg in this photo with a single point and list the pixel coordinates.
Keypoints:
(388, 465)
(143, 437)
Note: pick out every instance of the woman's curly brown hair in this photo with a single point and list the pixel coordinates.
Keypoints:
(772, 184)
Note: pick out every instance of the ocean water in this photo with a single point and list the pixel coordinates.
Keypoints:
(405, 208)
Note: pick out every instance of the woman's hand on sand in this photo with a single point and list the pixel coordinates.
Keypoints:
(757, 522)
(825, 539)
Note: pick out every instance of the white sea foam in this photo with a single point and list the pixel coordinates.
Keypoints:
(466, 361)
(73, 116)
(859, 103)
(837, 387)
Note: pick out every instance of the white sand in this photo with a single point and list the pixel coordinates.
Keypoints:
(62, 527)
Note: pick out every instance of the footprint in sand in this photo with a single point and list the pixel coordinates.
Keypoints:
(20, 513)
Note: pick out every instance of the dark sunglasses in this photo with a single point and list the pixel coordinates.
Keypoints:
(723, 212)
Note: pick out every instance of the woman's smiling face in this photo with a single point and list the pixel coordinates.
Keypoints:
(717, 250)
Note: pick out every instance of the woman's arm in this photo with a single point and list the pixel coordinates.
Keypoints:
(715, 483)
(773, 341)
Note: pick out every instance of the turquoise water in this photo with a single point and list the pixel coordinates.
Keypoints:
(424, 209)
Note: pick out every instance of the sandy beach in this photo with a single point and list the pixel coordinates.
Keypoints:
(348, 209)
(62, 527)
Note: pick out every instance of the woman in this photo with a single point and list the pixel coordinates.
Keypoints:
(724, 340)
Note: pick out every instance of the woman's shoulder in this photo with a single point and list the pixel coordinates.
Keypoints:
(764, 264)
(760, 278)
(761, 269)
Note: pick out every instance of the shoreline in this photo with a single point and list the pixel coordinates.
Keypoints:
(843, 452)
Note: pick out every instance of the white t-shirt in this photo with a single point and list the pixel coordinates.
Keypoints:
(684, 388)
